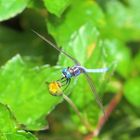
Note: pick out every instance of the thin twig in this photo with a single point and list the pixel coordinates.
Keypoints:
(102, 120)
(83, 120)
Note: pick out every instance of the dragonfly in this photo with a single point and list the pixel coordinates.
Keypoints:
(55, 87)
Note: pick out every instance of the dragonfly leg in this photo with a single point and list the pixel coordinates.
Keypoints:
(61, 78)
(67, 84)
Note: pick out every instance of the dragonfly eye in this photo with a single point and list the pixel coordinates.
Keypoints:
(64, 70)
(66, 73)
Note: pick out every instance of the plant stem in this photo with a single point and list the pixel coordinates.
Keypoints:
(102, 120)
(83, 120)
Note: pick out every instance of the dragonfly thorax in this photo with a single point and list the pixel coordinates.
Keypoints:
(70, 72)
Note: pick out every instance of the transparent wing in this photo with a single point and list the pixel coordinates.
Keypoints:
(57, 48)
(98, 100)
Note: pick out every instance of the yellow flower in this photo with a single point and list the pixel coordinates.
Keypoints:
(55, 88)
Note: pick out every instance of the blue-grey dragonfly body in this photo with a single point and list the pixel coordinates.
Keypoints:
(76, 70)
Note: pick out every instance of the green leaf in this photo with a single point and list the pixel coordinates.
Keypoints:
(83, 41)
(63, 28)
(9, 126)
(24, 90)
(57, 7)
(11, 8)
(7, 120)
(21, 135)
(132, 90)
(118, 53)
(123, 24)
(27, 44)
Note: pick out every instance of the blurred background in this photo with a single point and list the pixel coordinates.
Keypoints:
(98, 33)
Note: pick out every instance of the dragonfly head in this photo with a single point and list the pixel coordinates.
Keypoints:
(66, 73)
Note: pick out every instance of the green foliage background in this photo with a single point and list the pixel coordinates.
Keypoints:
(99, 33)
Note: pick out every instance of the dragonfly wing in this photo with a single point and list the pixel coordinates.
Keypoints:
(98, 100)
(57, 48)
